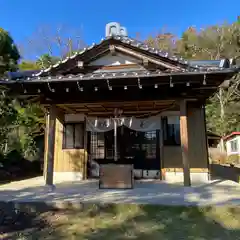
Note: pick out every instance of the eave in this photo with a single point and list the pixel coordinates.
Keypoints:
(233, 134)
(120, 86)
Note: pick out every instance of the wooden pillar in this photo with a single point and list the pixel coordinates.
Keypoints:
(206, 140)
(184, 142)
(45, 143)
(161, 144)
(50, 145)
(85, 141)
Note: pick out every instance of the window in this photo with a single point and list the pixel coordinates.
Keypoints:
(234, 145)
(97, 145)
(129, 143)
(73, 135)
(150, 144)
(171, 131)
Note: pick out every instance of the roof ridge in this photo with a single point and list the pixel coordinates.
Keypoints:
(143, 46)
(125, 40)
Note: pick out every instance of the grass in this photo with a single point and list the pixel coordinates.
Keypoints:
(122, 221)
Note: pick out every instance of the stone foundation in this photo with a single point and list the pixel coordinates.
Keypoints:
(67, 176)
(178, 177)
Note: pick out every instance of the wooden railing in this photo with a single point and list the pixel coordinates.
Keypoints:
(225, 171)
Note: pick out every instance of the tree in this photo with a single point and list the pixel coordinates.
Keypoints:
(29, 124)
(19, 123)
(9, 54)
(165, 41)
(28, 65)
(214, 42)
(58, 41)
(46, 60)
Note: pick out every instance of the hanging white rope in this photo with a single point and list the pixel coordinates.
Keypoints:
(137, 124)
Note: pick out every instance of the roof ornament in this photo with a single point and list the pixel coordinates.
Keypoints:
(204, 80)
(171, 83)
(24, 89)
(224, 63)
(139, 84)
(79, 87)
(115, 29)
(109, 86)
(49, 87)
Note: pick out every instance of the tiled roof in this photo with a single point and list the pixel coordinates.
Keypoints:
(116, 75)
(189, 66)
(231, 135)
(127, 41)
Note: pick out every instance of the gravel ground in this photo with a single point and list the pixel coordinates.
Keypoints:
(145, 192)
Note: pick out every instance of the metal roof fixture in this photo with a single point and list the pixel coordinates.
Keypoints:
(115, 29)
(213, 64)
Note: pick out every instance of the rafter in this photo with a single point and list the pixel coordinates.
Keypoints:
(144, 57)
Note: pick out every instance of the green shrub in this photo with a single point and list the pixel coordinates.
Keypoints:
(217, 157)
(13, 158)
(233, 159)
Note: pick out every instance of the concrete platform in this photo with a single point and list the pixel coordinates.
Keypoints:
(217, 192)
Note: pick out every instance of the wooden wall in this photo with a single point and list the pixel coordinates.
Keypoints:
(74, 160)
(197, 139)
(66, 160)
(172, 156)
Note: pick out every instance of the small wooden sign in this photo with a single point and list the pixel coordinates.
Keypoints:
(118, 176)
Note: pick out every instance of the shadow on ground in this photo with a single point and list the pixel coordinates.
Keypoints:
(17, 219)
(214, 193)
(122, 221)
(154, 222)
(84, 219)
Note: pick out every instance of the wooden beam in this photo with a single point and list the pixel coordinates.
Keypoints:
(145, 62)
(104, 108)
(184, 142)
(193, 170)
(116, 96)
(110, 113)
(71, 64)
(67, 108)
(50, 141)
(116, 67)
(150, 59)
(100, 105)
(112, 50)
(80, 64)
(121, 103)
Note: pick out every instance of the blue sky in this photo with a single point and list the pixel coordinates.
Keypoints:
(23, 18)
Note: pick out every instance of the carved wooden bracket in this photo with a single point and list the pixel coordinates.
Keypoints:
(80, 64)
(145, 62)
(112, 50)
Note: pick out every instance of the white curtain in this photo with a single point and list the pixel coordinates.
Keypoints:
(137, 124)
(99, 124)
(143, 124)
